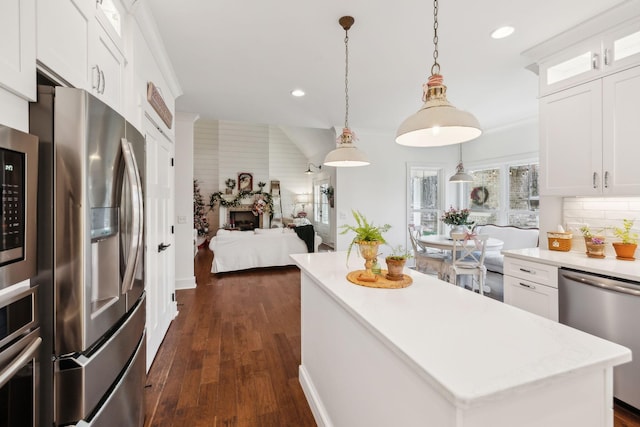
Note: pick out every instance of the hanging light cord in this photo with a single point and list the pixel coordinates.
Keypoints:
(346, 78)
(435, 68)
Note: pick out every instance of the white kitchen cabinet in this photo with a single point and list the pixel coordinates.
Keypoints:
(588, 138)
(107, 69)
(594, 58)
(531, 286)
(63, 38)
(18, 47)
(78, 45)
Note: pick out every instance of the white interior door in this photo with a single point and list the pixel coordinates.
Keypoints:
(321, 210)
(161, 306)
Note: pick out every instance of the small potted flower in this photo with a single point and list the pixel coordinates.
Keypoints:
(626, 248)
(396, 261)
(458, 219)
(595, 247)
(589, 236)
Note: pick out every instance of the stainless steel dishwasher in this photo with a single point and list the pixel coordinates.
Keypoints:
(608, 308)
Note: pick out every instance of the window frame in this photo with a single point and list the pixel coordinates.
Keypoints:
(439, 169)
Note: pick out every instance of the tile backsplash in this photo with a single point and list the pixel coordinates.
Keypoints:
(599, 213)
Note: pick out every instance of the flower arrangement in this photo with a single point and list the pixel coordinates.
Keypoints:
(260, 206)
(455, 216)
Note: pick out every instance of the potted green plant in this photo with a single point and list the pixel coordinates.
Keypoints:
(396, 261)
(368, 237)
(626, 248)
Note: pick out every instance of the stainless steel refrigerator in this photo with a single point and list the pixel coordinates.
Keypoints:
(91, 261)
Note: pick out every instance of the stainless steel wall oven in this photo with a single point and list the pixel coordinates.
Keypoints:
(19, 346)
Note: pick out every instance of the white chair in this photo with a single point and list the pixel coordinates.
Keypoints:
(428, 262)
(468, 259)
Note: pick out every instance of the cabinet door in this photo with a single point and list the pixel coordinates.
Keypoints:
(622, 47)
(107, 69)
(571, 67)
(18, 47)
(621, 130)
(571, 141)
(64, 28)
(532, 297)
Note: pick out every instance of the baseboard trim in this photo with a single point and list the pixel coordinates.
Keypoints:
(310, 392)
(188, 283)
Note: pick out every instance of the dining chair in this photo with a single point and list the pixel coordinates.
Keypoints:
(468, 259)
(426, 261)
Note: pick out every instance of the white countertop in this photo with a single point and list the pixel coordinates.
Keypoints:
(609, 266)
(469, 347)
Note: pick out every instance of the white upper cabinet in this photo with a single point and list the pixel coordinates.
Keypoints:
(621, 133)
(18, 47)
(64, 27)
(591, 59)
(80, 42)
(590, 138)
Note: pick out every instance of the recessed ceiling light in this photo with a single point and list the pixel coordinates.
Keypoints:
(297, 92)
(502, 32)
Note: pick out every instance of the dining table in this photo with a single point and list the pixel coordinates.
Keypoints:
(444, 242)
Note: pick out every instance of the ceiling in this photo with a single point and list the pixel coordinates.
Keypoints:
(239, 60)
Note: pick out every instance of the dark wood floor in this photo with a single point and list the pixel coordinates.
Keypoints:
(231, 356)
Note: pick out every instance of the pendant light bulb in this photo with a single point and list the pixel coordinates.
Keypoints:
(438, 122)
(346, 154)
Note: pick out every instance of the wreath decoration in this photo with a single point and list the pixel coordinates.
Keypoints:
(479, 195)
(266, 198)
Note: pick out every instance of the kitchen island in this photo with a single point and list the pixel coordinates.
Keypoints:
(434, 354)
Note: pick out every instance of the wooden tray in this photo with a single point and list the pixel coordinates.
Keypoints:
(381, 282)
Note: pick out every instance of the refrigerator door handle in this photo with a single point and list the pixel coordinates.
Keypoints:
(20, 360)
(136, 208)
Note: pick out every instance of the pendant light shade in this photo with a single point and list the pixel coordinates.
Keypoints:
(438, 122)
(460, 175)
(346, 153)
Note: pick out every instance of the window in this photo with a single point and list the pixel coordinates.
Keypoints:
(505, 194)
(425, 198)
(321, 203)
(484, 196)
(524, 200)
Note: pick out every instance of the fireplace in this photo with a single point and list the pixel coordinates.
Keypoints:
(241, 217)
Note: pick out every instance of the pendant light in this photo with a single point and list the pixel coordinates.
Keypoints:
(346, 153)
(438, 122)
(309, 171)
(460, 175)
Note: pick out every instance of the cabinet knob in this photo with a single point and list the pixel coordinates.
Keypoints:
(595, 61)
(606, 179)
(595, 180)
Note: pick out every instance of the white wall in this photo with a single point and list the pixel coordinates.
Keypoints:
(183, 208)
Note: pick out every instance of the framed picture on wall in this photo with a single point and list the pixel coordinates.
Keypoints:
(245, 181)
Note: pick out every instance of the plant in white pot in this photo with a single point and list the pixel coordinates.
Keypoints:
(626, 248)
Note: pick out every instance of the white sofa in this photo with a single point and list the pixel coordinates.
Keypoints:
(513, 238)
(241, 250)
